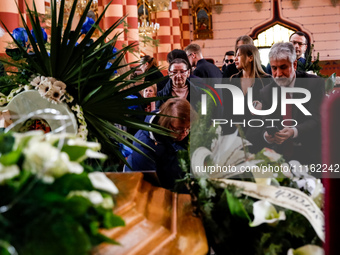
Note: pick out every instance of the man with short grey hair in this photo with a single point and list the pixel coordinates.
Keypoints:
(298, 134)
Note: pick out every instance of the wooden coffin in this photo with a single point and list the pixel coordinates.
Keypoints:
(157, 221)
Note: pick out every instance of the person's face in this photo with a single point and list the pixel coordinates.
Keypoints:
(192, 58)
(283, 71)
(242, 61)
(300, 44)
(229, 60)
(179, 73)
(180, 129)
(149, 92)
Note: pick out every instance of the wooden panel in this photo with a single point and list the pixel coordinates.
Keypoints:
(157, 220)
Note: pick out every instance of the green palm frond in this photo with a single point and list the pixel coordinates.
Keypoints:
(82, 68)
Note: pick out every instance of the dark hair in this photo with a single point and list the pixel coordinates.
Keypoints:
(179, 61)
(307, 40)
(229, 53)
(150, 60)
(178, 54)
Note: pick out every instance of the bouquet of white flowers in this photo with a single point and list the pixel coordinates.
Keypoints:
(51, 201)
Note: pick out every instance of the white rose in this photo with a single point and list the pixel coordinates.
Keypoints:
(48, 162)
(8, 172)
(94, 196)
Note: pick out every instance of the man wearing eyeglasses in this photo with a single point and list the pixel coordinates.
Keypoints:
(229, 58)
(300, 42)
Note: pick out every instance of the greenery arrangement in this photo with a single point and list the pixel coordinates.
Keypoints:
(88, 86)
(236, 220)
(51, 201)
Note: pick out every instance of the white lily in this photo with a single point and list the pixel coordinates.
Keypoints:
(307, 250)
(101, 182)
(265, 212)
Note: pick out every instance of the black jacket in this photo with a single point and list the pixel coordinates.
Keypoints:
(307, 145)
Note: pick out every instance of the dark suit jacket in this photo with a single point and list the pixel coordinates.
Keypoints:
(204, 69)
(230, 70)
(307, 145)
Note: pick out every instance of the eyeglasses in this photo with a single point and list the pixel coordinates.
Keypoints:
(180, 130)
(229, 60)
(181, 72)
(299, 43)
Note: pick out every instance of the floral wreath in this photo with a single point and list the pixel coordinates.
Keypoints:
(54, 91)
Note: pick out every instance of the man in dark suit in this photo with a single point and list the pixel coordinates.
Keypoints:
(209, 73)
(203, 68)
(300, 138)
(301, 45)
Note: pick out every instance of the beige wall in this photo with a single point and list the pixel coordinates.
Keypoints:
(318, 18)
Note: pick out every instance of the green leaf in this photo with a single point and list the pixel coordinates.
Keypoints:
(76, 153)
(6, 143)
(10, 158)
(111, 220)
(236, 207)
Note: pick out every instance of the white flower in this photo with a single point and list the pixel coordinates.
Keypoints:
(95, 154)
(107, 203)
(298, 169)
(36, 81)
(271, 155)
(75, 108)
(27, 87)
(307, 250)
(286, 170)
(265, 212)
(51, 80)
(101, 182)
(82, 135)
(3, 100)
(94, 196)
(80, 142)
(82, 128)
(55, 94)
(8, 172)
(48, 162)
(61, 85)
(44, 87)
